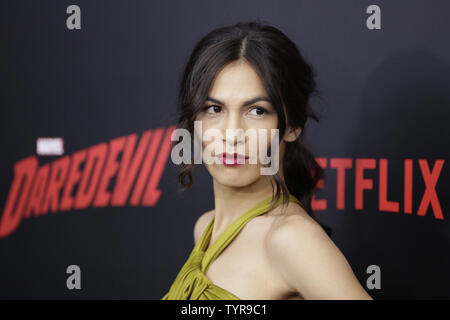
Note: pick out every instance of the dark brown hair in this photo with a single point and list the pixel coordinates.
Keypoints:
(288, 80)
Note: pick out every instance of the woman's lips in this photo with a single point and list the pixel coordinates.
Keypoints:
(232, 159)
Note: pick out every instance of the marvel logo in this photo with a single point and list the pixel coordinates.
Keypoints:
(46, 146)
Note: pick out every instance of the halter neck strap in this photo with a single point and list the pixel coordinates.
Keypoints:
(233, 229)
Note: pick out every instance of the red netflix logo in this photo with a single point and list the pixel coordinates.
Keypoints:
(36, 190)
(430, 178)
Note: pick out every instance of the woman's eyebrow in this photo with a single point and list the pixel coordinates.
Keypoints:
(246, 103)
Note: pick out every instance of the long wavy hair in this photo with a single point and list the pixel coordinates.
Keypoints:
(289, 82)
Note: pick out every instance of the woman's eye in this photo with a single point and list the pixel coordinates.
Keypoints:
(212, 109)
(261, 111)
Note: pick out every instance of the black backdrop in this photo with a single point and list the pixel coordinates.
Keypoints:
(384, 105)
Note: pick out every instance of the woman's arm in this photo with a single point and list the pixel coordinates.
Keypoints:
(308, 260)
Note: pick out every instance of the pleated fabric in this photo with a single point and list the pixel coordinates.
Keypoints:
(191, 282)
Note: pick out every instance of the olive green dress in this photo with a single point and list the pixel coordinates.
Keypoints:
(191, 282)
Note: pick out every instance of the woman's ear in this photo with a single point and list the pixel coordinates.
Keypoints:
(292, 134)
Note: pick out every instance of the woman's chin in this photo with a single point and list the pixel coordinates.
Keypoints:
(231, 177)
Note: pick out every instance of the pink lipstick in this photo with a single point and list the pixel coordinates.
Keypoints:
(231, 159)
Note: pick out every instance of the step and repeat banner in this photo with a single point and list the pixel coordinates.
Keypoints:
(89, 102)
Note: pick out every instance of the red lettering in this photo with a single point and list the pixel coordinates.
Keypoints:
(129, 168)
(340, 165)
(58, 174)
(362, 184)
(111, 166)
(24, 171)
(430, 196)
(407, 207)
(152, 194)
(72, 178)
(384, 204)
(146, 166)
(320, 204)
(86, 188)
(37, 194)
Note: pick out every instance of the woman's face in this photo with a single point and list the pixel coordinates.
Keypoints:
(226, 108)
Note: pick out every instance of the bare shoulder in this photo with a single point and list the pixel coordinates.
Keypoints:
(303, 255)
(201, 224)
(292, 222)
(297, 228)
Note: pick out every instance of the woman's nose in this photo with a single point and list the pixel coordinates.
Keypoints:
(233, 131)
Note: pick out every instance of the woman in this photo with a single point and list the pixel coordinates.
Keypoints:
(261, 241)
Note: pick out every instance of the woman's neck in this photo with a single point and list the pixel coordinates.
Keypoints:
(231, 202)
